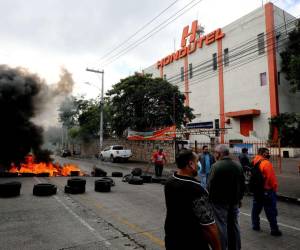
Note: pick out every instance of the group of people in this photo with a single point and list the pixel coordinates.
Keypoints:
(204, 196)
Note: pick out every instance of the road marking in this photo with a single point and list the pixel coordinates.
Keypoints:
(136, 228)
(280, 224)
(81, 220)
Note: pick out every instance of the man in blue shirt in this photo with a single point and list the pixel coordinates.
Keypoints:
(206, 159)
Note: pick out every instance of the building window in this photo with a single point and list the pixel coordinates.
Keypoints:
(191, 70)
(261, 43)
(263, 79)
(215, 61)
(226, 57)
(165, 77)
(278, 78)
(182, 73)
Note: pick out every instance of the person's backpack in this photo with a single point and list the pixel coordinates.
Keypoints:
(256, 182)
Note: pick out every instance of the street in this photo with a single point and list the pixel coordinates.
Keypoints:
(128, 217)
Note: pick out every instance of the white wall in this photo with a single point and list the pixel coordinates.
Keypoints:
(242, 89)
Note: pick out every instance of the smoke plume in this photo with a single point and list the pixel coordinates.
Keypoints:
(18, 134)
(26, 99)
(50, 98)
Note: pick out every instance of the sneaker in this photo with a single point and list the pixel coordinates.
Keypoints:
(276, 233)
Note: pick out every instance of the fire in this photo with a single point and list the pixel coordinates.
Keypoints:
(54, 169)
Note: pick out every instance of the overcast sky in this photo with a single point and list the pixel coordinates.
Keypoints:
(43, 35)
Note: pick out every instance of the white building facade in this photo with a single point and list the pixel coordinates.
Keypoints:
(231, 76)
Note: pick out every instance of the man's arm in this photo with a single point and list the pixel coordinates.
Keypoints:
(205, 216)
(153, 157)
(211, 234)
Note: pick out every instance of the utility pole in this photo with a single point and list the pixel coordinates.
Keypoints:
(101, 105)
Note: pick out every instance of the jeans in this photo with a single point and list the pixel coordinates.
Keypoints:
(203, 180)
(158, 170)
(226, 217)
(268, 202)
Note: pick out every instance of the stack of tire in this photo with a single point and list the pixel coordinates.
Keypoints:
(44, 189)
(135, 177)
(104, 185)
(75, 186)
(10, 189)
(8, 174)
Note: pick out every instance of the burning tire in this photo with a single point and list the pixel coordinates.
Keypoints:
(44, 189)
(74, 173)
(98, 172)
(117, 174)
(137, 172)
(146, 178)
(126, 177)
(8, 174)
(27, 174)
(102, 185)
(75, 186)
(112, 182)
(136, 180)
(43, 175)
(10, 189)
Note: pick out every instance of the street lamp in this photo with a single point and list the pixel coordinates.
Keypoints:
(101, 105)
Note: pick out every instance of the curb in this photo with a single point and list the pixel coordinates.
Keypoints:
(287, 199)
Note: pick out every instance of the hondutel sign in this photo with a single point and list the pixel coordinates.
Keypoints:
(194, 43)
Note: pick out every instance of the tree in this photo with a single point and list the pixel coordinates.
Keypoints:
(82, 117)
(142, 103)
(290, 64)
(288, 125)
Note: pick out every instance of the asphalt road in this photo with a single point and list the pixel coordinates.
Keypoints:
(129, 217)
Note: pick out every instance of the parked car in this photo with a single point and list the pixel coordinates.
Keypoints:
(114, 153)
(65, 153)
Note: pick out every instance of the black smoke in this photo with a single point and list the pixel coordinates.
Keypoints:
(18, 134)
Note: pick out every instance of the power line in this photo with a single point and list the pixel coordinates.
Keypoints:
(251, 43)
(238, 63)
(151, 33)
(138, 31)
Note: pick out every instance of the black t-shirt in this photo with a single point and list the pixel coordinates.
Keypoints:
(188, 211)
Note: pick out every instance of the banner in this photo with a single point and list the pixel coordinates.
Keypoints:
(165, 134)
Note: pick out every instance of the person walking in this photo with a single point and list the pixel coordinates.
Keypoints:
(207, 160)
(189, 221)
(159, 160)
(244, 159)
(226, 189)
(267, 199)
(246, 164)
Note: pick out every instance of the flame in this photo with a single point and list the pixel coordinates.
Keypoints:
(54, 169)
